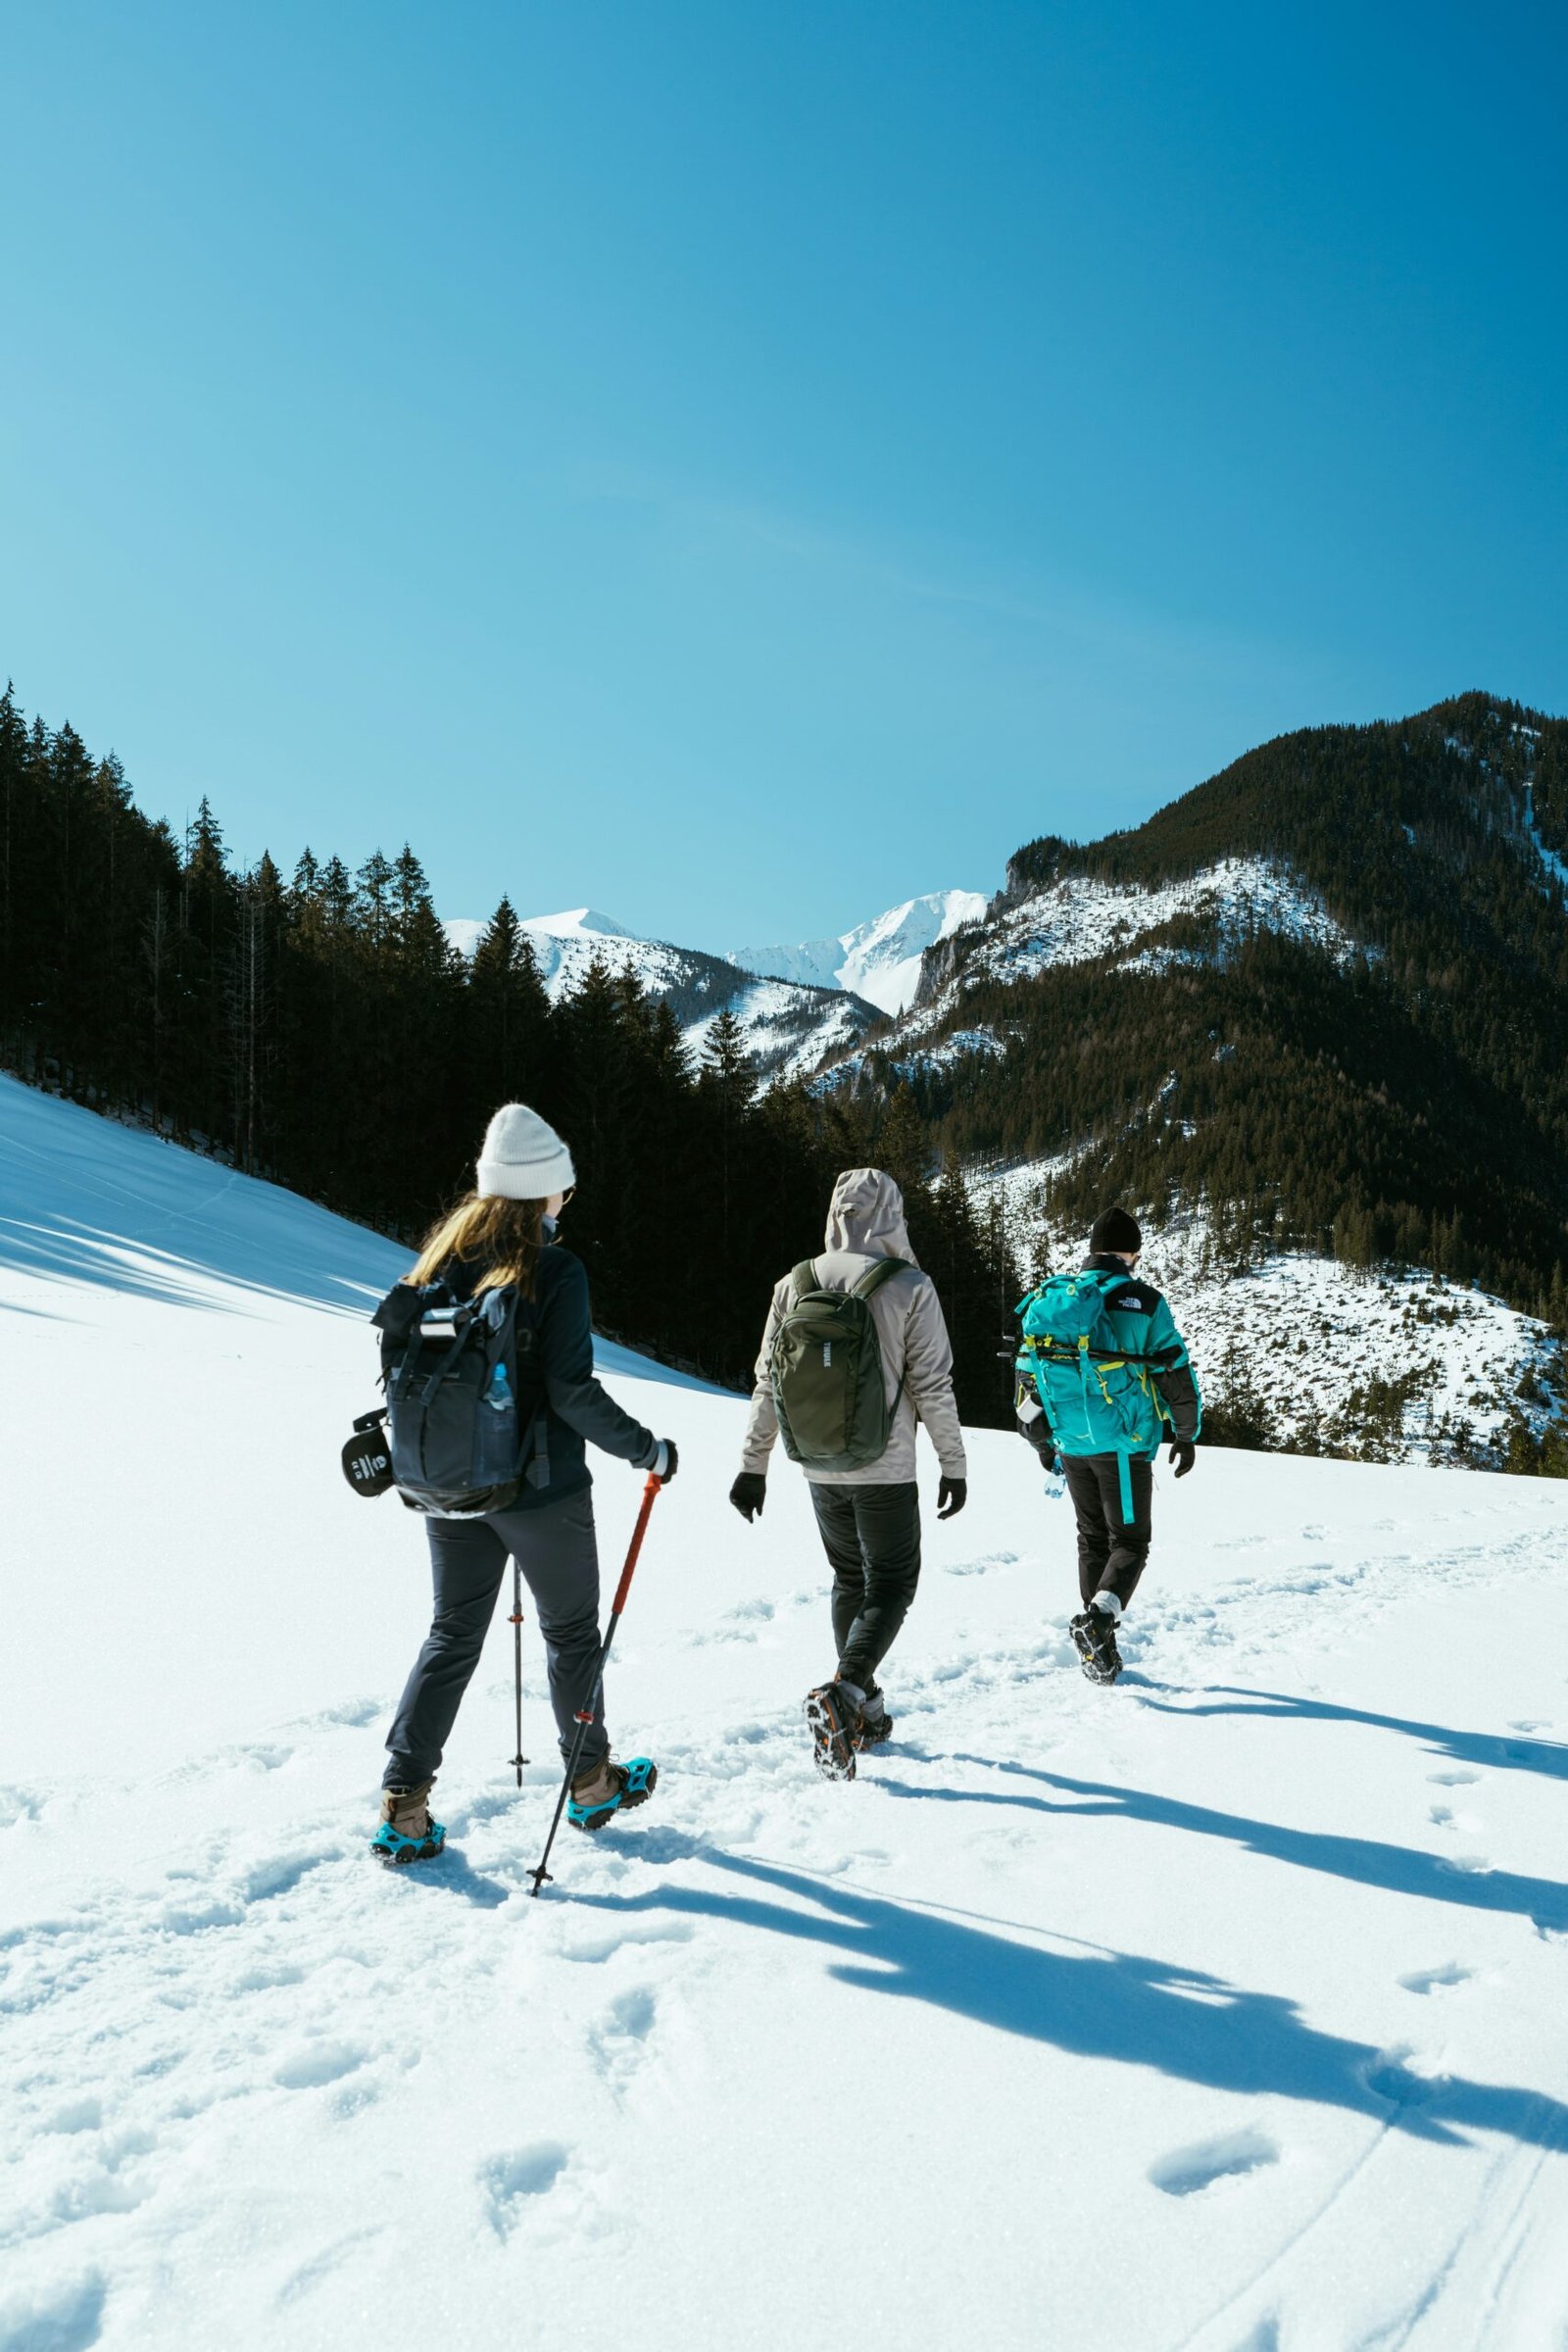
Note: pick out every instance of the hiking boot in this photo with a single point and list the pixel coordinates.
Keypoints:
(876, 1724)
(406, 1833)
(1093, 1637)
(836, 1720)
(607, 1787)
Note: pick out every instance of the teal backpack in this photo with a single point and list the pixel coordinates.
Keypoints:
(1098, 1396)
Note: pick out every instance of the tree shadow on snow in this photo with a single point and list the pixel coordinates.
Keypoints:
(1364, 1861)
(1487, 1751)
(1120, 2007)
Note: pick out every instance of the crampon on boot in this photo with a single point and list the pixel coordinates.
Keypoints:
(608, 1788)
(836, 1721)
(406, 1833)
(1093, 1637)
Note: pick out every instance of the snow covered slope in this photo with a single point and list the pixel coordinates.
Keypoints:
(879, 960)
(788, 1027)
(1081, 920)
(1254, 1961)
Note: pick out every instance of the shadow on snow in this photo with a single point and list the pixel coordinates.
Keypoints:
(1364, 1861)
(1487, 1751)
(1118, 2006)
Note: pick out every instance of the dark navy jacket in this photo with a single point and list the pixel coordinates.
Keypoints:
(576, 1411)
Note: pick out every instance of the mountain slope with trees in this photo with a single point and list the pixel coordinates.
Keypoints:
(1363, 1052)
(321, 1030)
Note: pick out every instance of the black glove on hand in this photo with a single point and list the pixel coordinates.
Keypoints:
(1184, 1453)
(748, 1493)
(951, 1495)
(665, 1461)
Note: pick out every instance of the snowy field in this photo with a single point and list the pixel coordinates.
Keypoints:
(1220, 2011)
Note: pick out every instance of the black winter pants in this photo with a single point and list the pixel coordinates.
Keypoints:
(871, 1536)
(559, 1555)
(1112, 1546)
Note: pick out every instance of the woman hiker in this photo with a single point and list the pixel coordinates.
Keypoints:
(504, 1232)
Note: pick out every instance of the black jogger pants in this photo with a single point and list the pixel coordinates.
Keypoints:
(1112, 1544)
(871, 1536)
(559, 1555)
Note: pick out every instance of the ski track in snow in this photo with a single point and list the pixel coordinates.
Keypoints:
(1259, 1954)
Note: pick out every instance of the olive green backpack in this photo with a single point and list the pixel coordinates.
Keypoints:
(825, 1370)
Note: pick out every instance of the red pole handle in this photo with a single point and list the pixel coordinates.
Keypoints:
(637, 1534)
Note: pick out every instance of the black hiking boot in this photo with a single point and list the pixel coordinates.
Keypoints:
(1093, 1637)
(836, 1724)
(876, 1724)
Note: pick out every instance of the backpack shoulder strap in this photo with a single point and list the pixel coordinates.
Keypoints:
(803, 1278)
(875, 1276)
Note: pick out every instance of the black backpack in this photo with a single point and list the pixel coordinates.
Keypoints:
(464, 1388)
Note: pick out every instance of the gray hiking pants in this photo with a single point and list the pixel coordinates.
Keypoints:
(871, 1536)
(559, 1555)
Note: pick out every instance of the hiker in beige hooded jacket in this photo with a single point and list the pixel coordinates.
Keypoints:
(868, 1519)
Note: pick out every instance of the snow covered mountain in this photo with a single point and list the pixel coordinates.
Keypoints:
(553, 935)
(1265, 1945)
(1320, 1001)
(787, 1026)
(796, 1005)
(879, 960)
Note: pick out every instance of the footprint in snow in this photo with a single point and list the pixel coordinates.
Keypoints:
(1389, 2077)
(351, 1714)
(509, 2182)
(595, 1949)
(317, 2063)
(79, 2115)
(740, 1624)
(1186, 2171)
(616, 2040)
(1433, 1979)
(56, 2319)
(1453, 1780)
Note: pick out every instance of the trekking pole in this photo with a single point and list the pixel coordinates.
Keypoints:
(585, 1713)
(515, 1621)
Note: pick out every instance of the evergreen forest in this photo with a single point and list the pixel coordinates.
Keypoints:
(318, 1029)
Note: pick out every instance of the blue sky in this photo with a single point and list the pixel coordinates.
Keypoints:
(741, 465)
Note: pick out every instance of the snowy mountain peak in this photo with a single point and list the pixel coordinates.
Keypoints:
(577, 922)
(879, 959)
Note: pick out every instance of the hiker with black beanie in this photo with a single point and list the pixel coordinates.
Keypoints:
(1104, 1379)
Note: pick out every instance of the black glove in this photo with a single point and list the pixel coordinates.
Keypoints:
(951, 1495)
(663, 1461)
(1037, 1433)
(748, 1493)
(1184, 1453)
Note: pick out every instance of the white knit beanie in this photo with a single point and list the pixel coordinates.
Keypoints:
(524, 1158)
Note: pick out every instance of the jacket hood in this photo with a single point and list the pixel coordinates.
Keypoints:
(867, 1214)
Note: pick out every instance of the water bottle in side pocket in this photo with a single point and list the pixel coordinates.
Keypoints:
(496, 1441)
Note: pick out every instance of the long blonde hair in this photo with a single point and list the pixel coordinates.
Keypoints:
(503, 1238)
